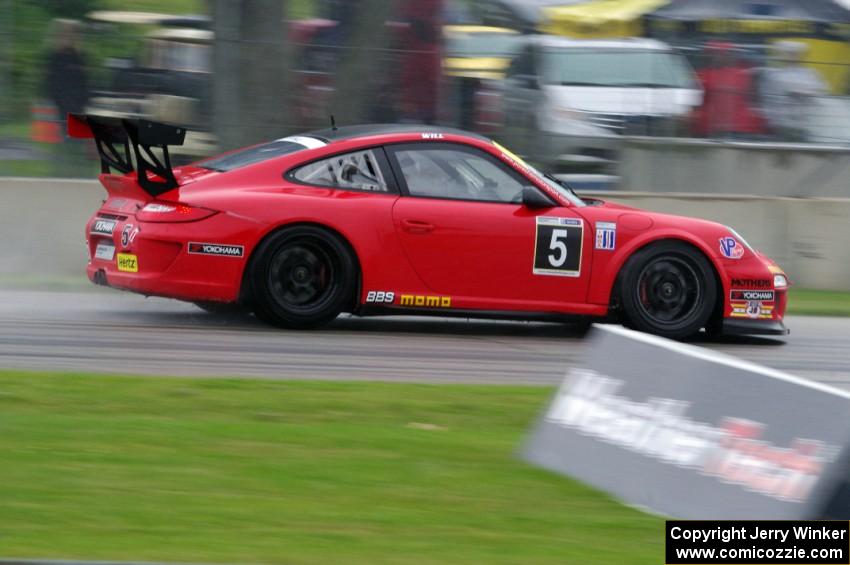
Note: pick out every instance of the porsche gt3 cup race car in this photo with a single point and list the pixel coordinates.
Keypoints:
(407, 219)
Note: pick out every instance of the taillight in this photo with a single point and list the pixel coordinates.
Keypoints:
(168, 212)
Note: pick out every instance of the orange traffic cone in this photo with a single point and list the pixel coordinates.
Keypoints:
(46, 125)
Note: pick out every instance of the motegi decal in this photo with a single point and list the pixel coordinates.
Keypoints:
(557, 246)
(220, 249)
(103, 227)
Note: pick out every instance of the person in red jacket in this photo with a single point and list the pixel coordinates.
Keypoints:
(728, 108)
(421, 61)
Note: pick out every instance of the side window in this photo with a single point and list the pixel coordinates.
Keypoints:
(358, 170)
(456, 173)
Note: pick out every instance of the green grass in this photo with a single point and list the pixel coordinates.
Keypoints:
(298, 472)
(297, 8)
(818, 302)
(164, 6)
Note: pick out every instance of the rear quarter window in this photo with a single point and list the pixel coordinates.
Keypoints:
(259, 153)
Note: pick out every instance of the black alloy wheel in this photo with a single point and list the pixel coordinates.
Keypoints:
(302, 277)
(668, 289)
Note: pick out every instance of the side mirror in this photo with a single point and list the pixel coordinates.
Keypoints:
(534, 199)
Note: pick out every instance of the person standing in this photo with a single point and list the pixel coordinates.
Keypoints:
(790, 91)
(728, 110)
(67, 75)
(66, 85)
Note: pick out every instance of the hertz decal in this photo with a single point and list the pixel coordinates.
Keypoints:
(421, 301)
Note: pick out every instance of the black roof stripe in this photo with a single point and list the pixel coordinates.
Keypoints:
(364, 130)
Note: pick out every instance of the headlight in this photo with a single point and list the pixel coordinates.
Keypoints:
(779, 281)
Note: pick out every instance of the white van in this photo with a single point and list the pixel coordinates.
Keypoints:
(568, 102)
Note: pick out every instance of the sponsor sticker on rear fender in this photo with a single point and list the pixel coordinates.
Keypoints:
(128, 263)
(104, 251)
(219, 249)
(103, 226)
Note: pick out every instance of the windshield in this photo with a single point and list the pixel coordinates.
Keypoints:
(176, 56)
(626, 68)
(258, 153)
(549, 180)
(460, 44)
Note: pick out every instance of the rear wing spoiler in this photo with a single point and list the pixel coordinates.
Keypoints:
(115, 136)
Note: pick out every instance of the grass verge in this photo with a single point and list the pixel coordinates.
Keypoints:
(130, 468)
(818, 302)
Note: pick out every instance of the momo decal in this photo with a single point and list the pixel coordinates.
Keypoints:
(422, 301)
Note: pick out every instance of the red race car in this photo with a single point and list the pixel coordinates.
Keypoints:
(407, 219)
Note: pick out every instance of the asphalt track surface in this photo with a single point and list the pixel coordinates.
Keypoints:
(108, 331)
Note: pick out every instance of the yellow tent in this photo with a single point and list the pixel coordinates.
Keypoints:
(599, 18)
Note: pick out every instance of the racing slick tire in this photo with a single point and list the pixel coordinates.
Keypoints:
(302, 277)
(668, 289)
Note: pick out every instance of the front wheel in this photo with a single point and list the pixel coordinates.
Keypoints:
(302, 277)
(668, 289)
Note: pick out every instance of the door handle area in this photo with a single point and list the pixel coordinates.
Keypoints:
(416, 226)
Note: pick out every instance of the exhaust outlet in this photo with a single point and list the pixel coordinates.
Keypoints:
(100, 278)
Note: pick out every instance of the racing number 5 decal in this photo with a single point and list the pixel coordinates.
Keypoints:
(557, 246)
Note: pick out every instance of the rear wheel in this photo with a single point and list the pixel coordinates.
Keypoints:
(668, 289)
(302, 277)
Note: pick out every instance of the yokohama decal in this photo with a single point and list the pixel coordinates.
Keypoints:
(220, 249)
(752, 295)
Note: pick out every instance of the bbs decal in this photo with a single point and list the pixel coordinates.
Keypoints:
(380, 297)
(557, 246)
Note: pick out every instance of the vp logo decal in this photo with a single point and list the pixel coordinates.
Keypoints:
(731, 248)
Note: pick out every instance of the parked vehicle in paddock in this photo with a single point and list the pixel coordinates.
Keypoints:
(568, 103)
(406, 219)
